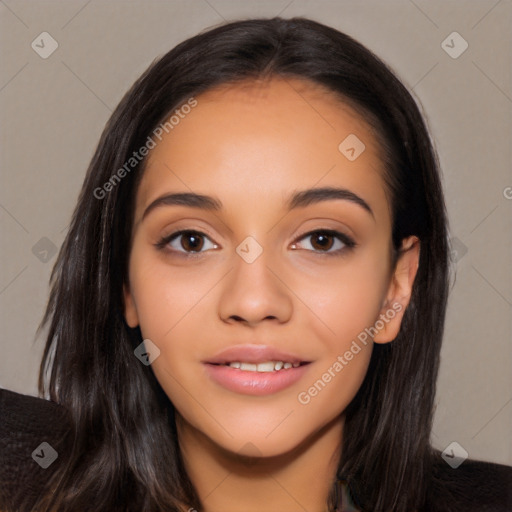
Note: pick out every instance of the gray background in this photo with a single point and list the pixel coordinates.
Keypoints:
(54, 109)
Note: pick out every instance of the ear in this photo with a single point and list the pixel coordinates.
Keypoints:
(399, 291)
(130, 311)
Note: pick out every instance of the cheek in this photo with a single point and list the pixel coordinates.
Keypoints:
(348, 303)
(343, 300)
(165, 295)
(333, 385)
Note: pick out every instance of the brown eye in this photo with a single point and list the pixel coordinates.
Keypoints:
(191, 241)
(322, 241)
(186, 242)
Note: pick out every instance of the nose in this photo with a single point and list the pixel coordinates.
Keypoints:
(255, 291)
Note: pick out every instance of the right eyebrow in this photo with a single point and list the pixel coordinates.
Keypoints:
(190, 199)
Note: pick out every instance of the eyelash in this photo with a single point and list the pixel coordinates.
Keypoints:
(348, 242)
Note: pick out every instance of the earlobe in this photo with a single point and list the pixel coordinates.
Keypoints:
(400, 290)
(130, 311)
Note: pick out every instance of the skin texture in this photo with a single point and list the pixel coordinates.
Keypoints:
(251, 145)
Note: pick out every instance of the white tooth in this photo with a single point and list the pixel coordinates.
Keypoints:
(266, 367)
(248, 367)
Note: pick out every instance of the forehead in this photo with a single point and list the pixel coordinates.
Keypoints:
(247, 138)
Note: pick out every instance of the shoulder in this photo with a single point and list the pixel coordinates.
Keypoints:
(33, 434)
(473, 486)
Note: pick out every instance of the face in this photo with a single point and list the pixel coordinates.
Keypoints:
(264, 274)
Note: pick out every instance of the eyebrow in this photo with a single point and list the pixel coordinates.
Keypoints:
(298, 199)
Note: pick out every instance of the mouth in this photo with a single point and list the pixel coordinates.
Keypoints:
(263, 367)
(255, 369)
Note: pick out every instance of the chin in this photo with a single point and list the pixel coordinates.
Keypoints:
(252, 445)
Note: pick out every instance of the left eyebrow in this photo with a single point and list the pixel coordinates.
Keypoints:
(310, 196)
(298, 199)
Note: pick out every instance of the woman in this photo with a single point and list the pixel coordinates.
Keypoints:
(248, 309)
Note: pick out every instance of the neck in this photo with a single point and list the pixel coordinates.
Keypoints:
(298, 480)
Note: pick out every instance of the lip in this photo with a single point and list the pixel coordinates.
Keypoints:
(252, 353)
(254, 383)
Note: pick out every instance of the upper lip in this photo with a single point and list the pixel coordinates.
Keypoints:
(252, 353)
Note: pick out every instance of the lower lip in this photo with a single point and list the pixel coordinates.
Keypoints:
(254, 383)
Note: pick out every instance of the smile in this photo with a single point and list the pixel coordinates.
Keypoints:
(256, 379)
